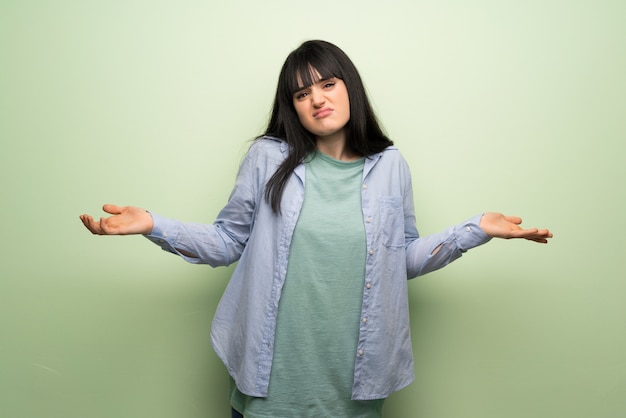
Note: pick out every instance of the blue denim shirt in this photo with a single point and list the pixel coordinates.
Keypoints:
(248, 231)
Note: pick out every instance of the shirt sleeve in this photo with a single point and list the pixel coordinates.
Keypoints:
(435, 251)
(222, 242)
(195, 243)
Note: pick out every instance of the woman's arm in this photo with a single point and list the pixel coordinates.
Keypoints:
(216, 244)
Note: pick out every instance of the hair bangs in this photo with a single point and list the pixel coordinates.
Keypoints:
(308, 69)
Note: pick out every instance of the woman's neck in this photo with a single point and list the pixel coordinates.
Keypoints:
(335, 146)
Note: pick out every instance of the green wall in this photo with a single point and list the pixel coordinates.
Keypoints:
(514, 106)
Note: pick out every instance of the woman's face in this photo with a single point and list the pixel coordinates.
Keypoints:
(324, 108)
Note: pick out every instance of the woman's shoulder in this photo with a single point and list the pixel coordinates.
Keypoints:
(268, 145)
(392, 160)
(266, 151)
(391, 153)
(392, 149)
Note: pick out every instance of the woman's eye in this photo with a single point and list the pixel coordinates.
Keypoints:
(329, 84)
(301, 95)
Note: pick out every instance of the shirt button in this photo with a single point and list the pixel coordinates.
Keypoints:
(364, 186)
(368, 219)
(368, 285)
(360, 352)
(364, 320)
(467, 228)
(371, 252)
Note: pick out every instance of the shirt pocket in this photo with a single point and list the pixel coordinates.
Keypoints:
(391, 221)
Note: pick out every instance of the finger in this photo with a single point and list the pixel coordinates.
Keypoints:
(112, 209)
(546, 233)
(541, 236)
(514, 219)
(85, 220)
(104, 227)
(524, 233)
(538, 240)
(543, 233)
(89, 223)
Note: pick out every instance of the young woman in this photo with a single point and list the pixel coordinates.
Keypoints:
(314, 321)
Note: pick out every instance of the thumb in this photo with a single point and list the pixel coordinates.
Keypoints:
(514, 219)
(112, 209)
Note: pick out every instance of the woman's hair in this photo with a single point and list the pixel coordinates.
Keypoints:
(309, 61)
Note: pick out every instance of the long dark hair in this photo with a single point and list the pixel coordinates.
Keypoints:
(364, 135)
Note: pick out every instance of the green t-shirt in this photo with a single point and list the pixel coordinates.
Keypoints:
(319, 311)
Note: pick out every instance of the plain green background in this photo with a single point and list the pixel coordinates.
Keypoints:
(514, 106)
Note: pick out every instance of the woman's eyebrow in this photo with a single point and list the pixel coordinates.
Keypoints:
(299, 89)
(321, 80)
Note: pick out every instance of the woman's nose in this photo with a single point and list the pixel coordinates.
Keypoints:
(317, 98)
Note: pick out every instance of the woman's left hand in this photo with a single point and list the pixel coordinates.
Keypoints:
(497, 225)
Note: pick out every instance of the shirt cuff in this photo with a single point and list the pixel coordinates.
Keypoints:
(469, 234)
(164, 232)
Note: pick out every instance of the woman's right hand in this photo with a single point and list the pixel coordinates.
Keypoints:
(126, 220)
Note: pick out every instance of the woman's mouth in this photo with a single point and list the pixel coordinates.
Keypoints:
(322, 113)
